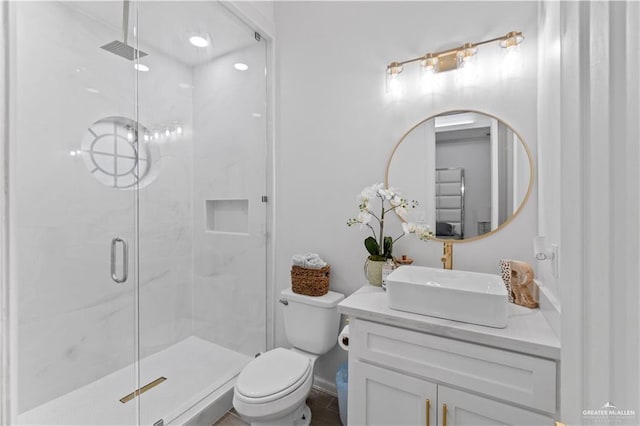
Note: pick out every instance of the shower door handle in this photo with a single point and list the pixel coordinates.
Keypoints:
(125, 260)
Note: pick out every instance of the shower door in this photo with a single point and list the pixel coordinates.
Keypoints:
(74, 172)
(202, 232)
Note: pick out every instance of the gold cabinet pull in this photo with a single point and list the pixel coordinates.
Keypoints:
(428, 404)
(444, 414)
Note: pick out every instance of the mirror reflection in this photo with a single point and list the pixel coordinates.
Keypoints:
(469, 171)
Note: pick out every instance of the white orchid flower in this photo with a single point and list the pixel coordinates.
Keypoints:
(368, 193)
(408, 227)
(397, 200)
(386, 193)
(402, 212)
(364, 217)
(363, 201)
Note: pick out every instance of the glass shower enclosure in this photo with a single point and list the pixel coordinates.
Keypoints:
(138, 168)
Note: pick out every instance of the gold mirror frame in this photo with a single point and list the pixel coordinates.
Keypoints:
(524, 144)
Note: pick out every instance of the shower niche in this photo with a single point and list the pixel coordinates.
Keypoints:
(230, 216)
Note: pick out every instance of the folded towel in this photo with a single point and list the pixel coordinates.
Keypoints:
(308, 260)
(298, 260)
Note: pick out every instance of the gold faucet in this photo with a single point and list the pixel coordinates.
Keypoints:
(447, 255)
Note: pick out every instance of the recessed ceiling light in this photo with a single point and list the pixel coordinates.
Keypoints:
(198, 41)
(141, 67)
(92, 90)
(240, 66)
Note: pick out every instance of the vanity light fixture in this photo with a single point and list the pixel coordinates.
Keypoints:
(457, 58)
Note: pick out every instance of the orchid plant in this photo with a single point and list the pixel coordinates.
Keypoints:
(378, 245)
(423, 232)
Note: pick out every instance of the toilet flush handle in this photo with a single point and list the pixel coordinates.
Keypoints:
(285, 302)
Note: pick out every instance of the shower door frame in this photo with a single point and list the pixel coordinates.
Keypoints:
(7, 322)
(253, 17)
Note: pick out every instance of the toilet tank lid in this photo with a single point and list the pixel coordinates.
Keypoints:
(329, 300)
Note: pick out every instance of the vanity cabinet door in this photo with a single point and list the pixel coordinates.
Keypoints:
(378, 396)
(465, 409)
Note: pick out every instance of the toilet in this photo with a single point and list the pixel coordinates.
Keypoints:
(272, 389)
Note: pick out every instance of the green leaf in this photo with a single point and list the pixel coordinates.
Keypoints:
(372, 246)
(388, 247)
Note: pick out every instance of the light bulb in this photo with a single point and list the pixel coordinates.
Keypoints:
(467, 68)
(395, 87)
(167, 132)
(511, 61)
(428, 69)
(394, 84)
(179, 130)
(129, 136)
(428, 80)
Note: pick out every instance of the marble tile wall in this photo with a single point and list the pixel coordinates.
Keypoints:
(75, 323)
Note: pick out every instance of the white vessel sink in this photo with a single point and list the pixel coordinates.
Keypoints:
(464, 296)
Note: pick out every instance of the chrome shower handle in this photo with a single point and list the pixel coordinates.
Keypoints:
(125, 260)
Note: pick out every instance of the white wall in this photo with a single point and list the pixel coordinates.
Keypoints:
(590, 99)
(336, 127)
(75, 323)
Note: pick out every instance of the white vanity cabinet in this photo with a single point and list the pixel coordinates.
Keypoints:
(384, 397)
(399, 376)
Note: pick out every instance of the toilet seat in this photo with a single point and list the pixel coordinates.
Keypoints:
(272, 376)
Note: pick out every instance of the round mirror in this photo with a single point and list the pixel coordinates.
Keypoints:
(470, 172)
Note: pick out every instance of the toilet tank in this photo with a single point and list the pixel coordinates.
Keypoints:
(311, 323)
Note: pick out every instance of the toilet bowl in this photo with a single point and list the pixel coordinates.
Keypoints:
(273, 388)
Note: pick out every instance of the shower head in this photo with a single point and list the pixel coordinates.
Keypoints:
(121, 48)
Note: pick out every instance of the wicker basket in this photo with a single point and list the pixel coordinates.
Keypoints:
(310, 282)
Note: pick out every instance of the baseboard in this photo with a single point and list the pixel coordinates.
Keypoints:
(325, 386)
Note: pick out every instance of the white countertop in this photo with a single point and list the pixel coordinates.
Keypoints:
(527, 330)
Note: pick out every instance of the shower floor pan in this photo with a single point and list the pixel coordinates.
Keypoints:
(198, 390)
